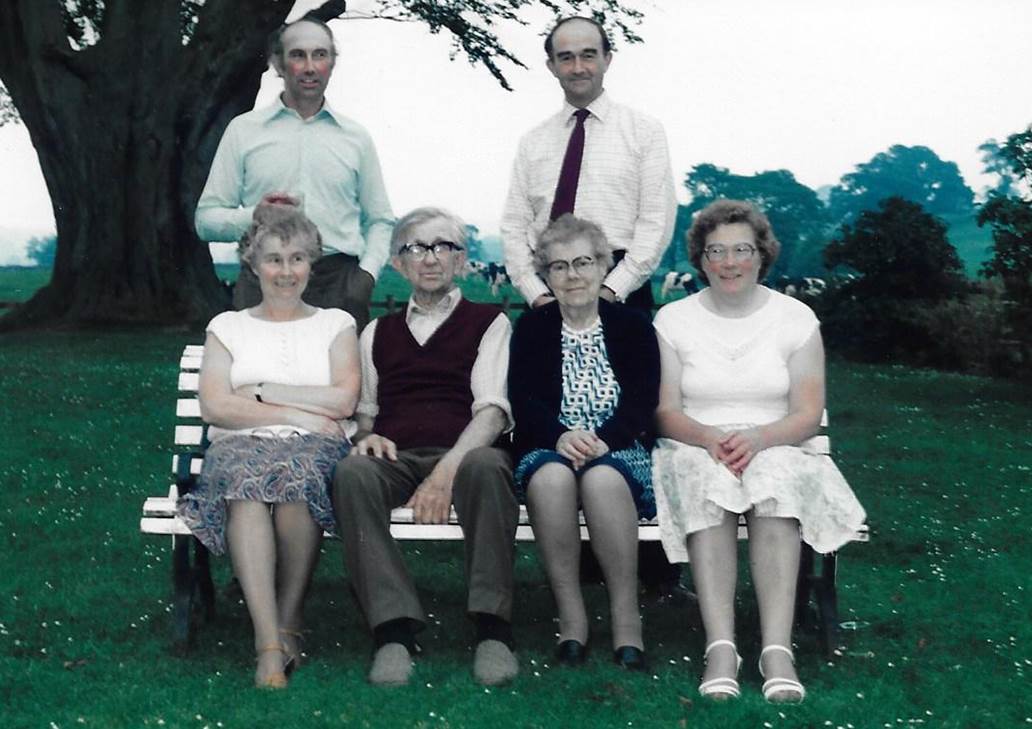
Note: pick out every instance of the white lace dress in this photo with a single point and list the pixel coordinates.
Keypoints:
(735, 375)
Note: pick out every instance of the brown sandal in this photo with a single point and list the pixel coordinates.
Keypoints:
(277, 680)
(293, 657)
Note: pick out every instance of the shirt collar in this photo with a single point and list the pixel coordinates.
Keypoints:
(445, 306)
(599, 108)
(277, 107)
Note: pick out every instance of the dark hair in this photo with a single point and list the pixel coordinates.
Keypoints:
(276, 39)
(563, 230)
(285, 222)
(606, 45)
(726, 212)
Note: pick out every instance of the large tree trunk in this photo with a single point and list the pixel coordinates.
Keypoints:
(125, 131)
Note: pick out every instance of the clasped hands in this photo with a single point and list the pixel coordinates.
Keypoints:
(734, 448)
(580, 446)
(432, 500)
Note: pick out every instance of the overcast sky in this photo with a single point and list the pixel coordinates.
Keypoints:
(815, 87)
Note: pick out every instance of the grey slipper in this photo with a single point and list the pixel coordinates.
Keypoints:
(494, 664)
(392, 666)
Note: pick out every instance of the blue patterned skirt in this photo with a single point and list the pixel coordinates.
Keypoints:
(634, 464)
(270, 470)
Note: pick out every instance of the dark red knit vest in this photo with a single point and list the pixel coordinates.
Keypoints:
(424, 392)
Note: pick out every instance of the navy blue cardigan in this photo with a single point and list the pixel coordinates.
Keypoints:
(535, 377)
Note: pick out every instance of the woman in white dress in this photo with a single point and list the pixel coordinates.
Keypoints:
(277, 384)
(742, 386)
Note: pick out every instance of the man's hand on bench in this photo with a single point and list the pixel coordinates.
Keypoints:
(431, 503)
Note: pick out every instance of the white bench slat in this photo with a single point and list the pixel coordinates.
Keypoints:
(190, 362)
(195, 466)
(188, 381)
(188, 407)
(159, 513)
(189, 434)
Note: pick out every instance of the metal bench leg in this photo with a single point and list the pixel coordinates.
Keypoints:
(203, 582)
(804, 585)
(827, 605)
(183, 585)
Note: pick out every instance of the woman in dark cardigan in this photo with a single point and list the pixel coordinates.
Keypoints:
(583, 384)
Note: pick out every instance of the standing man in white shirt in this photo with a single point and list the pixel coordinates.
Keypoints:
(617, 174)
(607, 163)
(299, 151)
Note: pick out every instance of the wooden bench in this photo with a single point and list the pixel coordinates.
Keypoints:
(192, 583)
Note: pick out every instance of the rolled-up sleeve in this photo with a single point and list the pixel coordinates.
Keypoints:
(489, 374)
(367, 403)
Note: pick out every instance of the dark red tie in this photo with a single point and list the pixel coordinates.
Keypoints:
(566, 190)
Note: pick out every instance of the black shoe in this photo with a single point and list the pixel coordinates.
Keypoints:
(572, 653)
(631, 658)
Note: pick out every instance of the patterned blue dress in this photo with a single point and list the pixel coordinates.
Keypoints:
(590, 395)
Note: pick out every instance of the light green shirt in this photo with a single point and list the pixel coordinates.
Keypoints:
(329, 159)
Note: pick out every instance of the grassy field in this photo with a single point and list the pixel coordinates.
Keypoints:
(938, 602)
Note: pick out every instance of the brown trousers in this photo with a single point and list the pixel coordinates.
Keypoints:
(336, 282)
(365, 489)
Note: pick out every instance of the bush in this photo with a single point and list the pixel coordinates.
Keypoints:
(970, 334)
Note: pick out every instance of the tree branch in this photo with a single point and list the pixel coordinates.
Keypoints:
(328, 10)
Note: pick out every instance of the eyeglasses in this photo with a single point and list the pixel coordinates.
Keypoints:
(580, 265)
(419, 251)
(741, 252)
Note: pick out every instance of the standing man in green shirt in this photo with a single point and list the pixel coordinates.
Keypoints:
(299, 151)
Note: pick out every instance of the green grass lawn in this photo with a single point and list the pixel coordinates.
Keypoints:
(939, 598)
(18, 283)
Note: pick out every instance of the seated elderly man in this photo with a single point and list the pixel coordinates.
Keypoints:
(433, 402)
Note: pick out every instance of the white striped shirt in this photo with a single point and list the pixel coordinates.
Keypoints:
(626, 186)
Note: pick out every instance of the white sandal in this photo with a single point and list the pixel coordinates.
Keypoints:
(725, 686)
(781, 685)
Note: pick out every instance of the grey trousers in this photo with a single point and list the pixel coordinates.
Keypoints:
(365, 489)
(336, 282)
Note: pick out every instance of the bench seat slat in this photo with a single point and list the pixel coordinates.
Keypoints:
(159, 515)
(188, 407)
(189, 435)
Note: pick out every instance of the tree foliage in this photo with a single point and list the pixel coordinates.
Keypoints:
(125, 103)
(1010, 217)
(798, 216)
(903, 270)
(995, 162)
(899, 251)
(8, 114)
(912, 173)
(42, 251)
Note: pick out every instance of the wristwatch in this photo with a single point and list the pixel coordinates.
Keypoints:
(258, 392)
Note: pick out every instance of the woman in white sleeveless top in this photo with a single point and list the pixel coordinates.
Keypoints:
(742, 386)
(278, 384)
